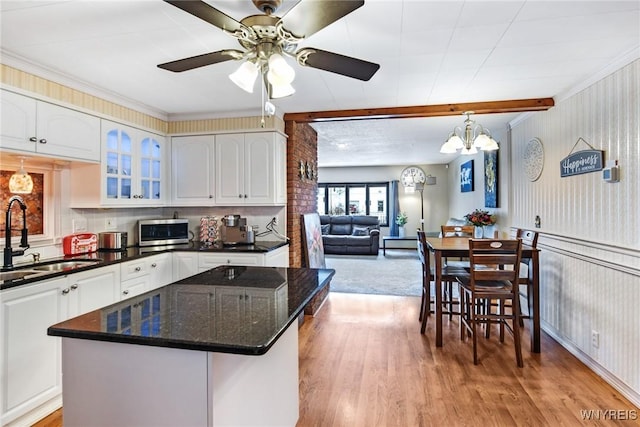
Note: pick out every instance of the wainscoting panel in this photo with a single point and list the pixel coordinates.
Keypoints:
(590, 233)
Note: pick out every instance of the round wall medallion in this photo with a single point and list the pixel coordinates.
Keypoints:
(533, 159)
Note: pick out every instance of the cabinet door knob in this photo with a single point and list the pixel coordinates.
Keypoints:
(154, 265)
(33, 139)
(245, 196)
(240, 196)
(65, 291)
(74, 287)
(43, 141)
(137, 268)
(211, 196)
(126, 292)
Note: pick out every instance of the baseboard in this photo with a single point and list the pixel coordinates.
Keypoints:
(37, 414)
(596, 367)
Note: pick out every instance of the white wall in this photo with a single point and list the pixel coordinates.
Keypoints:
(590, 233)
(461, 204)
(436, 197)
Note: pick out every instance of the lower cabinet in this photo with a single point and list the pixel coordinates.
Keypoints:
(31, 378)
(145, 274)
(275, 258)
(185, 264)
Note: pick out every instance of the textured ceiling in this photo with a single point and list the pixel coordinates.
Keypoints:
(430, 52)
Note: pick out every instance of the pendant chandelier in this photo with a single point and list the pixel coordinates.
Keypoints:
(470, 139)
(21, 182)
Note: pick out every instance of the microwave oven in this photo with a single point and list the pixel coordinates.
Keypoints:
(153, 232)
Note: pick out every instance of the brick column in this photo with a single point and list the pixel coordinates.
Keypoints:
(302, 145)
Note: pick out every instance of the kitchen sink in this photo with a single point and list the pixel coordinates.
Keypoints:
(18, 274)
(64, 265)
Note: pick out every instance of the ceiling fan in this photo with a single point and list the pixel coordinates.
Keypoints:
(266, 38)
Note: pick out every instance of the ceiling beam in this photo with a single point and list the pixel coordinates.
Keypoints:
(490, 107)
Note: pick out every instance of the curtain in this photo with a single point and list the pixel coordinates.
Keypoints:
(394, 208)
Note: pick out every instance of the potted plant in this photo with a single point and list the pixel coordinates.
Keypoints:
(401, 220)
(480, 219)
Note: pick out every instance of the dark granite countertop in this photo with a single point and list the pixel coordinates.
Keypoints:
(135, 252)
(228, 309)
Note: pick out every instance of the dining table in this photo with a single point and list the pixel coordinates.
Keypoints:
(459, 247)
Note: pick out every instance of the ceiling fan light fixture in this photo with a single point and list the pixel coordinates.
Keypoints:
(245, 76)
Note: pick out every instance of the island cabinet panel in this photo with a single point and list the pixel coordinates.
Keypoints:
(29, 359)
(136, 385)
(185, 264)
(133, 385)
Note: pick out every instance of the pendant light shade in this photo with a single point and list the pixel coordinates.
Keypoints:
(21, 182)
(245, 76)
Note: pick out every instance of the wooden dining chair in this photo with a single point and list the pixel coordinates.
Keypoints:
(448, 231)
(484, 283)
(449, 274)
(529, 238)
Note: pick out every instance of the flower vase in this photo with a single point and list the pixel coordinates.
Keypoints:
(478, 232)
(401, 231)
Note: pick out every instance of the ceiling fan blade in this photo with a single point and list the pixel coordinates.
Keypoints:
(201, 60)
(336, 63)
(207, 13)
(310, 16)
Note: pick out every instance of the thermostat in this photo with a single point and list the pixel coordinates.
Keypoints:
(610, 174)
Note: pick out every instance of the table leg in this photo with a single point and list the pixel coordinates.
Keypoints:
(534, 301)
(438, 287)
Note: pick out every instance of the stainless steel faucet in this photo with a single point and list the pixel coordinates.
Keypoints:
(8, 252)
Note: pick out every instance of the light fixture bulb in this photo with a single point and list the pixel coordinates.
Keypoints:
(481, 141)
(245, 76)
(492, 145)
(21, 182)
(455, 141)
(280, 73)
(447, 148)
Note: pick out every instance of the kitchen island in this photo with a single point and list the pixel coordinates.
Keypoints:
(217, 348)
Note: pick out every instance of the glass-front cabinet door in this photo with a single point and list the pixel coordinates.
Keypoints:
(150, 169)
(118, 163)
(133, 162)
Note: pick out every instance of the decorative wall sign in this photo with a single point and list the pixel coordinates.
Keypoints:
(585, 161)
(491, 179)
(466, 177)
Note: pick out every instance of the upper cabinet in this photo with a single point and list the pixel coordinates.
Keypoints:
(34, 126)
(192, 171)
(130, 174)
(250, 169)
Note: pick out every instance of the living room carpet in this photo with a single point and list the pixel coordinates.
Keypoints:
(397, 273)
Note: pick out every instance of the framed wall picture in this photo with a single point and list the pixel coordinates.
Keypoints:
(491, 179)
(466, 176)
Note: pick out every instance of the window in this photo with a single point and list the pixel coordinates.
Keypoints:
(34, 202)
(355, 199)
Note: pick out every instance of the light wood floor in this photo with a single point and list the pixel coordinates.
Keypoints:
(363, 363)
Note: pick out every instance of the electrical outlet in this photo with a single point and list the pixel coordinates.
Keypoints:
(79, 224)
(110, 224)
(595, 339)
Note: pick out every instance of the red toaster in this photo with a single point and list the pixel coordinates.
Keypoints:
(80, 243)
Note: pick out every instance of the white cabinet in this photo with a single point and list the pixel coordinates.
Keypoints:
(29, 359)
(275, 258)
(192, 172)
(145, 274)
(207, 261)
(35, 126)
(185, 264)
(250, 169)
(131, 173)
(92, 289)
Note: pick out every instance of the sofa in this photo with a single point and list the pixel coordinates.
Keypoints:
(350, 234)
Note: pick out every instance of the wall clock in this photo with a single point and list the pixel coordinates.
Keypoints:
(533, 159)
(411, 175)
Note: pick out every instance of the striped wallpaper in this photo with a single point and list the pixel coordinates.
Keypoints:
(590, 234)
